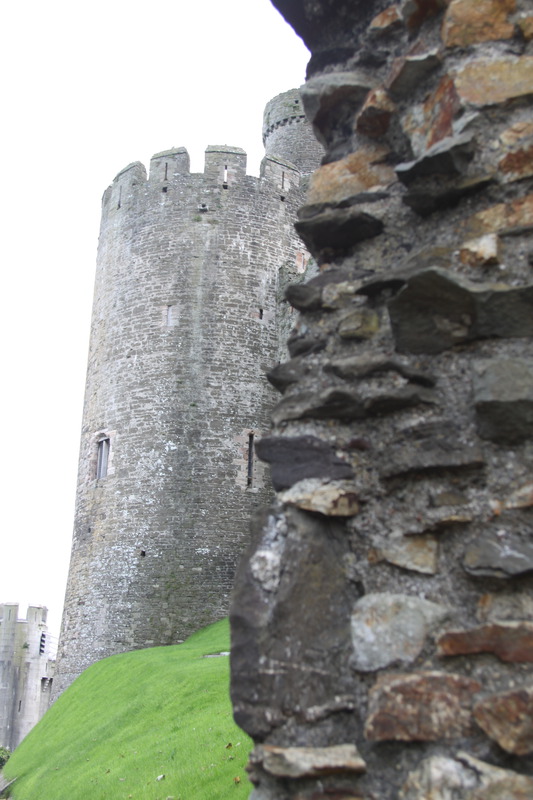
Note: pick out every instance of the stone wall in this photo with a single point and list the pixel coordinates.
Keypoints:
(26, 671)
(185, 321)
(382, 619)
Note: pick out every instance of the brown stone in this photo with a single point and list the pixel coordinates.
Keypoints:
(526, 26)
(423, 706)
(518, 163)
(358, 172)
(471, 21)
(308, 762)
(485, 82)
(510, 641)
(433, 120)
(335, 499)
(386, 21)
(508, 719)
(374, 118)
(480, 252)
(502, 218)
(417, 553)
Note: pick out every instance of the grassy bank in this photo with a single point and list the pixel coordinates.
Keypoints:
(134, 717)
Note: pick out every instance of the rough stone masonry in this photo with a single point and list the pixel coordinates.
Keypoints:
(382, 619)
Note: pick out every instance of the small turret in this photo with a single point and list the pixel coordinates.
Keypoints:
(288, 135)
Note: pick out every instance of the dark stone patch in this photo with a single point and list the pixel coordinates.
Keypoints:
(284, 375)
(499, 556)
(304, 297)
(450, 156)
(435, 446)
(272, 681)
(503, 398)
(347, 405)
(301, 345)
(431, 195)
(338, 229)
(438, 309)
(295, 458)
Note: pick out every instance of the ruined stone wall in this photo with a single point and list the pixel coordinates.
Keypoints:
(382, 619)
(26, 671)
(185, 322)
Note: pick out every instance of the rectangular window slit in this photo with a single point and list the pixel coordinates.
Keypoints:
(250, 477)
(166, 171)
(103, 458)
(260, 313)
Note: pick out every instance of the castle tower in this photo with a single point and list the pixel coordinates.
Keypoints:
(185, 323)
(26, 671)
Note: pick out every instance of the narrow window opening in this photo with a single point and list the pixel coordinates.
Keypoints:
(20, 705)
(250, 476)
(260, 313)
(164, 189)
(103, 458)
(169, 316)
(283, 179)
(225, 179)
(42, 644)
(282, 198)
(166, 171)
(119, 197)
(143, 553)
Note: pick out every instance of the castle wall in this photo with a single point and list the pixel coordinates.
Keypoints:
(382, 621)
(26, 672)
(185, 322)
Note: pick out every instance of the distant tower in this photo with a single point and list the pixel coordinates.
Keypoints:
(185, 323)
(26, 671)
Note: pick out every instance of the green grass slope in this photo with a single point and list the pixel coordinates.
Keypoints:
(131, 718)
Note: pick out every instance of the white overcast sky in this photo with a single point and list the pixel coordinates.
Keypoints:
(88, 88)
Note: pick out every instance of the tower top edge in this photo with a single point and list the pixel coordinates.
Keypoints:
(174, 151)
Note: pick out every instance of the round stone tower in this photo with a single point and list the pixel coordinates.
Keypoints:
(185, 323)
(287, 134)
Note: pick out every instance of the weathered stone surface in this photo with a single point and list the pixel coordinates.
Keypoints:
(337, 229)
(480, 252)
(296, 458)
(284, 375)
(499, 556)
(510, 641)
(472, 21)
(335, 499)
(526, 26)
(358, 367)
(429, 447)
(488, 82)
(449, 156)
(503, 218)
(348, 404)
(308, 762)
(391, 629)
(374, 118)
(465, 778)
(341, 295)
(360, 171)
(433, 121)
(518, 163)
(362, 323)
(423, 706)
(508, 719)
(437, 310)
(520, 498)
(417, 553)
(498, 607)
(503, 398)
(329, 99)
(409, 71)
(294, 564)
